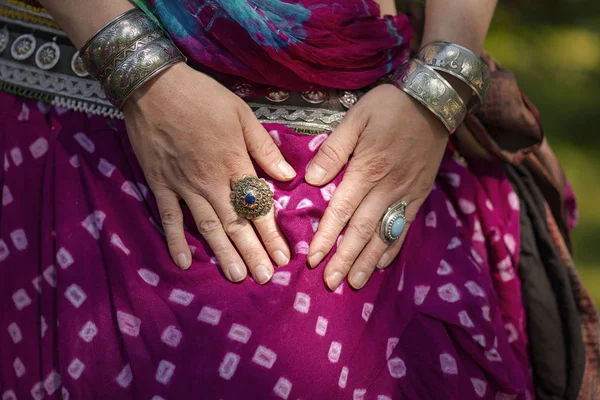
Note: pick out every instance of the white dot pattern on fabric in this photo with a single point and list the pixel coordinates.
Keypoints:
(281, 278)
(366, 311)
(302, 302)
(19, 239)
(239, 333)
(64, 258)
(264, 357)
(65, 393)
(316, 142)
(43, 326)
(382, 397)
(125, 376)
(449, 293)
(465, 320)
(454, 243)
(359, 394)
(19, 367)
(509, 241)
(304, 203)
(21, 299)
(4, 252)
(431, 220)
(282, 388)
(506, 270)
(421, 293)
(511, 332)
(106, 168)
(75, 295)
(301, 247)
(171, 336)
(15, 332)
(485, 311)
(505, 396)
(37, 283)
(327, 191)
(165, 371)
(314, 223)
(85, 142)
(444, 268)
(93, 223)
(39, 147)
(148, 276)
(451, 210)
(116, 241)
(128, 324)
(396, 367)
(391, 345)
(229, 365)
(466, 206)
(88, 332)
(75, 368)
(477, 232)
(448, 364)
(493, 355)
(479, 339)
(16, 156)
(321, 327)
(343, 378)
(513, 201)
(210, 315)
(7, 196)
(74, 161)
(131, 189)
(49, 275)
(36, 391)
(335, 350)
(52, 382)
(181, 297)
(480, 386)
(474, 289)
(9, 395)
(452, 178)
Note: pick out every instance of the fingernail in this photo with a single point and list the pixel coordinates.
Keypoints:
(280, 258)
(359, 280)
(182, 261)
(315, 174)
(383, 261)
(236, 272)
(334, 280)
(315, 259)
(262, 274)
(286, 169)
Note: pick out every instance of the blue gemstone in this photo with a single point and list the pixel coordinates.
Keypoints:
(250, 198)
(398, 227)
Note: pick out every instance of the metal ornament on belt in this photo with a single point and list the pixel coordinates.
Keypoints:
(251, 197)
(393, 222)
(23, 47)
(47, 55)
(4, 38)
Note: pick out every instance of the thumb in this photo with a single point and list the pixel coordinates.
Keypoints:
(263, 149)
(335, 151)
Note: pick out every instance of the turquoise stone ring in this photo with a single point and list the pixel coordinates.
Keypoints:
(393, 222)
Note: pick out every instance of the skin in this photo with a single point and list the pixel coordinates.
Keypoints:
(193, 148)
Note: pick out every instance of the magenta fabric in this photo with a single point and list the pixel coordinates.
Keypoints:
(294, 45)
(93, 307)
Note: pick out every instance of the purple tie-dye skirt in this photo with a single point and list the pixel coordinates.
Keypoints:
(93, 307)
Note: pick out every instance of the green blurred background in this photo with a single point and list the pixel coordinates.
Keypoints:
(553, 48)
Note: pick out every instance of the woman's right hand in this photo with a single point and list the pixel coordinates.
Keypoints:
(193, 139)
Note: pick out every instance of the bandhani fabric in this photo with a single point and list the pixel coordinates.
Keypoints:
(294, 45)
(94, 308)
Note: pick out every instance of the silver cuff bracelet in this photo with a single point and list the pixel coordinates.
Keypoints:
(459, 62)
(128, 52)
(433, 91)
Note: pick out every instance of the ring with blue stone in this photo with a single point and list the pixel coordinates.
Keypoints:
(251, 197)
(393, 222)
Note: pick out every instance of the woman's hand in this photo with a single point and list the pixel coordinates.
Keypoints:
(193, 138)
(397, 146)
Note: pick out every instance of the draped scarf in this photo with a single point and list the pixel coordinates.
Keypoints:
(293, 45)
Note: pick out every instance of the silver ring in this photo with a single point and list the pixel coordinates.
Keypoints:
(393, 222)
(251, 197)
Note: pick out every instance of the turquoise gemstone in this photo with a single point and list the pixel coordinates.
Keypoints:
(398, 227)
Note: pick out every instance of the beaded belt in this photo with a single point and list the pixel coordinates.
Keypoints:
(38, 61)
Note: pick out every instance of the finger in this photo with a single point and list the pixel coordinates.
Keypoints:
(212, 231)
(242, 234)
(272, 238)
(344, 202)
(263, 149)
(362, 227)
(172, 222)
(335, 151)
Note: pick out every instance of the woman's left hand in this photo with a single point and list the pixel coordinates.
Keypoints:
(396, 146)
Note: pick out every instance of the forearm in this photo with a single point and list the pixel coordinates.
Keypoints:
(464, 22)
(80, 19)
